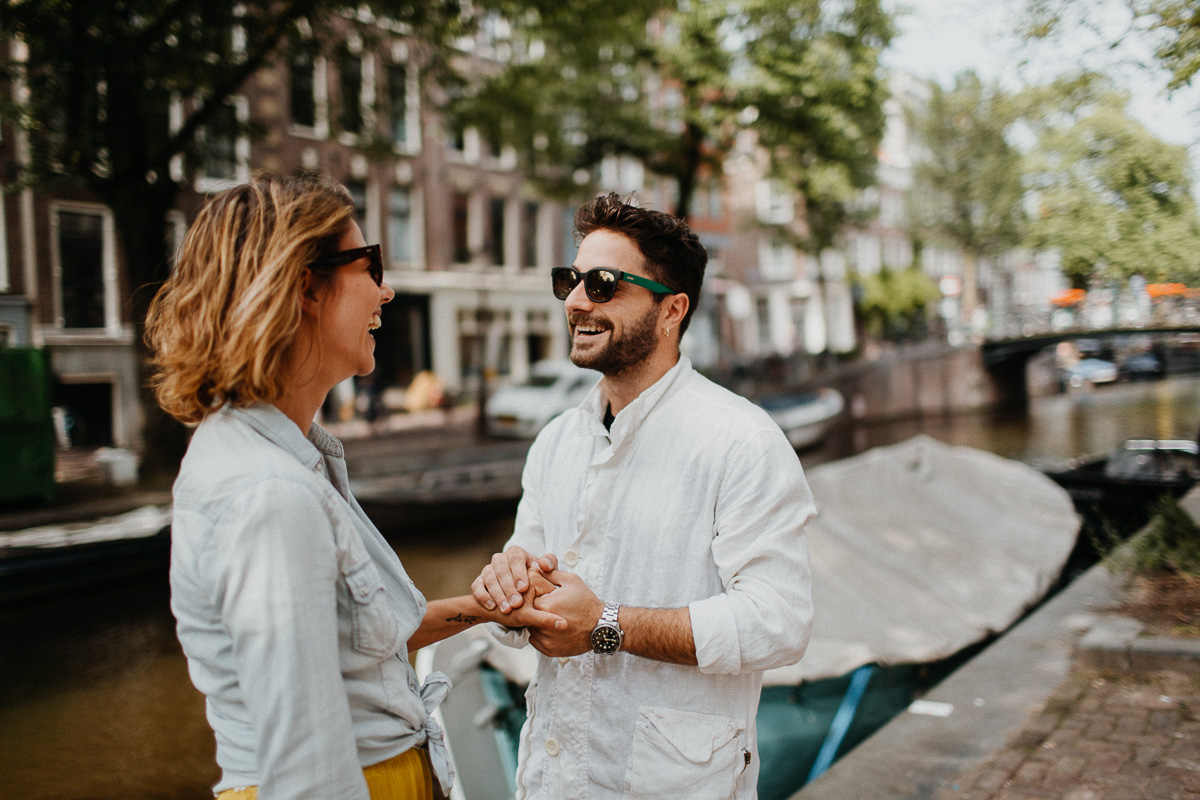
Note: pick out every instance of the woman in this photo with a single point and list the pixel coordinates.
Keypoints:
(294, 613)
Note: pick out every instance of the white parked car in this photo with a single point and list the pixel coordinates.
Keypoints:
(553, 387)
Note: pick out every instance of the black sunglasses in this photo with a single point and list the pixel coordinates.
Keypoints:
(600, 284)
(334, 260)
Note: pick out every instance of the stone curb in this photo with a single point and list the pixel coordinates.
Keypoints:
(1116, 643)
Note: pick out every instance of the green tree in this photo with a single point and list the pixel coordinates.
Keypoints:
(1171, 27)
(968, 188)
(1112, 198)
(100, 80)
(681, 87)
(893, 304)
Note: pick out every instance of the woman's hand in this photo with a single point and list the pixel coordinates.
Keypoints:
(504, 582)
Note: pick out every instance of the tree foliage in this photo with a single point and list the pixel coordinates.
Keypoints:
(967, 187)
(893, 304)
(1171, 27)
(682, 86)
(100, 82)
(1113, 198)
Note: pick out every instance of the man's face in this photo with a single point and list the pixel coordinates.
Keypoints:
(614, 336)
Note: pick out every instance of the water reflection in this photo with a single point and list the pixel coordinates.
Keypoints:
(95, 702)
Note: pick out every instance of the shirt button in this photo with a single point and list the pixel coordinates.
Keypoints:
(563, 659)
(551, 748)
(570, 558)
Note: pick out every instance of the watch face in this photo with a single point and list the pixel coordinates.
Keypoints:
(606, 640)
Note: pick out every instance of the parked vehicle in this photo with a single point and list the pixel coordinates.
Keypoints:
(1090, 371)
(1143, 366)
(554, 386)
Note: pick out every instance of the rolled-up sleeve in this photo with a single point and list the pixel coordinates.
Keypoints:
(763, 618)
(278, 597)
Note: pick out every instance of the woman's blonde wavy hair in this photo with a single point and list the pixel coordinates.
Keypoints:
(221, 327)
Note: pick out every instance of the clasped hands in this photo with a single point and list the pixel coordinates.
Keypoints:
(556, 607)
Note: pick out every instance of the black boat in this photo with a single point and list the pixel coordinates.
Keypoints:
(1120, 488)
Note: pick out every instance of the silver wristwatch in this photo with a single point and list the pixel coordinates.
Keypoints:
(607, 635)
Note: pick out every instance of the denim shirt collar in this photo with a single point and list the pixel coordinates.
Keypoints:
(280, 430)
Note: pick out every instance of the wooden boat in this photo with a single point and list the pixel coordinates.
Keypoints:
(920, 555)
(60, 557)
(1120, 488)
(804, 418)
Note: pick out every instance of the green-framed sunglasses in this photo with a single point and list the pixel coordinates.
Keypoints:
(600, 283)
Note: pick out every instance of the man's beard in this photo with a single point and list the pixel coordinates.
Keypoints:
(633, 347)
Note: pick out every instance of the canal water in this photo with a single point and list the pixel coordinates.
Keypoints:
(95, 701)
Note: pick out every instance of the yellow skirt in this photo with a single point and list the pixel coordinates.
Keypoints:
(407, 776)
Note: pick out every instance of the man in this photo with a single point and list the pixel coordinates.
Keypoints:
(676, 510)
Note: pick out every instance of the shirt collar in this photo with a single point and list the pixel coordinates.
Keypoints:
(279, 429)
(634, 414)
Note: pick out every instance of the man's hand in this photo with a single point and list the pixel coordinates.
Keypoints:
(503, 582)
(578, 605)
(528, 615)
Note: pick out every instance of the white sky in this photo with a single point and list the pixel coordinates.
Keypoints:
(941, 38)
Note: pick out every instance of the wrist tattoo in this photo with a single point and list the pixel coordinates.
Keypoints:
(463, 618)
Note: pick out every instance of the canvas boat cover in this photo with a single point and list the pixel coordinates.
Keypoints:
(919, 550)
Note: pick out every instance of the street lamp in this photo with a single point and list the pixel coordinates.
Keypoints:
(483, 325)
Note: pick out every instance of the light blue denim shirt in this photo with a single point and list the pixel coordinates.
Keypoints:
(294, 612)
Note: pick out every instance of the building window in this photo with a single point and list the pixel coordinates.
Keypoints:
(460, 223)
(176, 230)
(774, 203)
(358, 193)
(529, 235)
(397, 89)
(85, 268)
(220, 144)
(350, 83)
(496, 239)
(400, 225)
(776, 260)
(569, 247)
(302, 90)
(224, 148)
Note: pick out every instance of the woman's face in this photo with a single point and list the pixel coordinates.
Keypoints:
(351, 305)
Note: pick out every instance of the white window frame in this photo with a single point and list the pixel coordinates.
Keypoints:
(178, 224)
(412, 102)
(366, 92)
(112, 321)
(5, 282)
(207, 184)
(774, 202)
(320, 128)
(776, 260)
(416, 210)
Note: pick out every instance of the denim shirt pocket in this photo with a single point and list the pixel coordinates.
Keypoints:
(375, 627)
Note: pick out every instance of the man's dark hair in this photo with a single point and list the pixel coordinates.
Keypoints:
(673, 254)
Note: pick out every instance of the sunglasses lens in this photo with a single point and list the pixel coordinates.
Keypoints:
(600, 285)
(376, 258)
(563, 280)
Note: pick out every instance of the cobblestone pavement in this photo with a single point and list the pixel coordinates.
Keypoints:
(1101, 736)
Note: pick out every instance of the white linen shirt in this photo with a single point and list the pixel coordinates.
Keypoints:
(694, 499)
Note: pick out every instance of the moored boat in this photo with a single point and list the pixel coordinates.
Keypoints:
(1120, 488)
(804, 418)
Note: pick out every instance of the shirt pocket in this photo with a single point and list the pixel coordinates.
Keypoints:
(375, 627)
(684, 754)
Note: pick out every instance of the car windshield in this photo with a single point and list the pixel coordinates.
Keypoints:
(541, 381)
